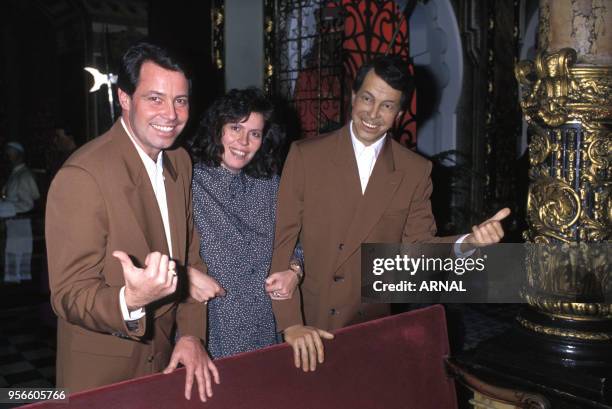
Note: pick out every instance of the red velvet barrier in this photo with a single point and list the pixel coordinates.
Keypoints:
(394, 362)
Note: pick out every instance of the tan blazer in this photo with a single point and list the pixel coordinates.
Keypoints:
(102, 200)
(320, 201)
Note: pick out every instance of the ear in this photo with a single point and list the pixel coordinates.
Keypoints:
(124, 99)
(353, 96)
(399, 115)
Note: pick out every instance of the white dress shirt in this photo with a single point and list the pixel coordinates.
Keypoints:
(155, 170)
(366, 159)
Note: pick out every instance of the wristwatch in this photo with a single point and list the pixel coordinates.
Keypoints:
(297, 269)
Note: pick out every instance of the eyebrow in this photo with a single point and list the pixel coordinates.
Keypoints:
(159, 93)
(384, 101)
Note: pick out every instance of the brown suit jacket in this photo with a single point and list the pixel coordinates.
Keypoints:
(102, 200)
(320, 201)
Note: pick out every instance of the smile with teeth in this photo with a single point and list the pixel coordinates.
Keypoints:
(369, 125)
(238, 153)
(163, 128)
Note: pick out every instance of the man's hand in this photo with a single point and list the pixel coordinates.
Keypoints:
(488, 232)
(307, 345)
(203, 287)
(189, 352)
(143, 286)
(281, 285)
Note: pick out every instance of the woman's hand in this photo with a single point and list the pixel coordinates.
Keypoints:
(203, 287)
(282, 284)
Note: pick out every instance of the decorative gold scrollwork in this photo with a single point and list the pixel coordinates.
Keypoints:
(549, 85)
(569, 278)
(557, 204)
(568, 108)
(600, 151)
(539, 147)
(218, 27)
(575, 310)
(565, 333)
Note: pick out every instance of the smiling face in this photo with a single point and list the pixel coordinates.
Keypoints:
(241, 141)
(159, 108)
(375, 107)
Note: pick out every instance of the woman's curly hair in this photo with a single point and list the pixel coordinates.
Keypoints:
(235, 107)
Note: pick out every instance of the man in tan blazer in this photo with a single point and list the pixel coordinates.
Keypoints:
(353, 186)
(118, 228)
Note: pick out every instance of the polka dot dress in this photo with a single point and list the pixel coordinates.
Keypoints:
(234, 214)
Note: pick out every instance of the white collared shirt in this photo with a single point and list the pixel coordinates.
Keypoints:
(366, 156)
(155, 170)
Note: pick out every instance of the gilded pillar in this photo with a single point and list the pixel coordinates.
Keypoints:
(567, 102)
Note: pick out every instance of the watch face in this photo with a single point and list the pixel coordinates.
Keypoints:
(296, 268)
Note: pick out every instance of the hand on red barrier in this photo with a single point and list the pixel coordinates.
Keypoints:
(189, 352)
(307, 345)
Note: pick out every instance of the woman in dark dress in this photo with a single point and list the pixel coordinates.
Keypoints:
(236, 155)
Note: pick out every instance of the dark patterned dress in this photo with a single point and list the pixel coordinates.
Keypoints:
(234, 214)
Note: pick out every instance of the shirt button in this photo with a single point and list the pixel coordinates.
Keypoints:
(334, 311)
(338, 279)
(340, 246)
(150, 359)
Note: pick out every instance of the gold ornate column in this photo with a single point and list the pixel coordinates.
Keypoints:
(559, 353)
(567, 102)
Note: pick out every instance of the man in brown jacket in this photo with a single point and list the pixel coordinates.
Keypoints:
(118, 228)
(353, 186)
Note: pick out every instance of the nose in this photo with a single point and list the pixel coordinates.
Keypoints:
(374, 111)
(243, 138)
(170, 111)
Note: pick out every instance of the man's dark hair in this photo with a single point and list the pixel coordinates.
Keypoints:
(393, 70)
(135, 56)
(235, 107)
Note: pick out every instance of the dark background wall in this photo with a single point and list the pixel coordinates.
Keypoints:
(185, 26)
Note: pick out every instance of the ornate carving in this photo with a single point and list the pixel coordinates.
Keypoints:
(562, 277)
(598, 153)
(565, 333)
(539, 148)
(568, 309)
(550, 90)
(269, 46)
(569, 111)
(218, 27)
(554, 205)
(570, 147)
(557, 92)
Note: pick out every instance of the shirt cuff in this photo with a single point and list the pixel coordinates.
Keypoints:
(457, 248)
(127, 315)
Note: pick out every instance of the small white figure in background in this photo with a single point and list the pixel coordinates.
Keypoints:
(18, 196)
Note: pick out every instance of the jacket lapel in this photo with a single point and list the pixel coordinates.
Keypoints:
(175, 198)
(382, 185)
(346, 174)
